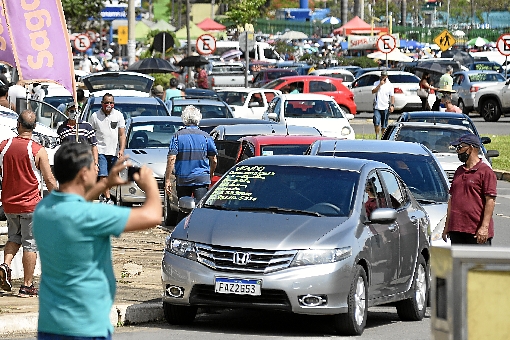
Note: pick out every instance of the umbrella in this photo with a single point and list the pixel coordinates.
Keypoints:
(461, 56)
(478, 41)
(152, 65)
(231, 54)
(194, 60)
(394, 55)
(331, 20)
(292, 35)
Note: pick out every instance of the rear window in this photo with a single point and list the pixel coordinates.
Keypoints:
(135, 110)
(403, 78)
(486, 77)
(227, 69)
(208, 111)
(279, 74)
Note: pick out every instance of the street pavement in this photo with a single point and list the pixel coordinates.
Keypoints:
(19, 315)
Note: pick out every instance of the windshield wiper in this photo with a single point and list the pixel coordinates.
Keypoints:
(426, 201)
(285, 210)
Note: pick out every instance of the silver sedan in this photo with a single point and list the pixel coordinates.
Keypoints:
(305, 234)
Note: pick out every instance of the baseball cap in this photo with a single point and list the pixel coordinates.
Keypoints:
(384, 73)
(158, 89)
(469, 139)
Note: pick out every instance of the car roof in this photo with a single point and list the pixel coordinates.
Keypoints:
(245, 89)
(270, 70)
(436, 114)
(268, 128)
(131, 100)
(370, 146)
(283, 139)
(341, 163)
(306, 96)
(192, 101)
(434, 125)
(468, 72)
(310, 77)
(390, 72)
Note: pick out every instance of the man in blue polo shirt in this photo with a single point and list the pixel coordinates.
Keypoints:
(192, 154)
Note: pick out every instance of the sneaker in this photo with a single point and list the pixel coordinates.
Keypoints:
(5, 277)
(26, 291)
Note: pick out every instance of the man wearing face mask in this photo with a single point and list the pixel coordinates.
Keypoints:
(472, 196)
(75, 130)
(110, 129)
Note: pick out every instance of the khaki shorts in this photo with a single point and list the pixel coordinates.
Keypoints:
(19, 230)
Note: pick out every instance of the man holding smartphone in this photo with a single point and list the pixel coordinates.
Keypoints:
(384, 103)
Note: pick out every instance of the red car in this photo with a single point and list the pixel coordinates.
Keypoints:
(232, 152)
(328, 86)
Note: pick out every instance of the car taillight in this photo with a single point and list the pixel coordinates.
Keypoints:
(397, 90)
(474, 88)
(212, 82)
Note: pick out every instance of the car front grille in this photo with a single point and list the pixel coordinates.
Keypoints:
(269, 298)
(241, 260)
(161, 186)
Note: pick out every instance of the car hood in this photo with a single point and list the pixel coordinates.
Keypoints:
(154, 158)
(328, 127)
(256, 229)
(449, 161)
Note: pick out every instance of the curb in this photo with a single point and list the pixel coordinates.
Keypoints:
(120, 315)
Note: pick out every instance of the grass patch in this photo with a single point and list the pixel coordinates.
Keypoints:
(500, 143)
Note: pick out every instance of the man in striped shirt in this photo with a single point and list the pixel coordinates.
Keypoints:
(68, 132)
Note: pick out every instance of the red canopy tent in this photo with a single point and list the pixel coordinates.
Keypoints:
(210, 25)
(358, 26)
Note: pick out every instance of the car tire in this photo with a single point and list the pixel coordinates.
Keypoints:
(413, 309)
(179, 315)
(354, 321)
(490, 110)
(461, 106)
(345, 109)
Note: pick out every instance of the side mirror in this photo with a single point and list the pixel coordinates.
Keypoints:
(492, 153)
(272, 116)
(485, 140)
(186, 204)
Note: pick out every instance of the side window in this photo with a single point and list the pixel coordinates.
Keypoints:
(396, 196)
(374, 194)
(320, 86)
(269, 96)
(363, 81)
(273, 105)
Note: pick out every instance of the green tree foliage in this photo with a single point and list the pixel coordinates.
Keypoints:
(78, 12)
(242, 12)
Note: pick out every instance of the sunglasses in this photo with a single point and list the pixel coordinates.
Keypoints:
(460, 147)
(107, 103)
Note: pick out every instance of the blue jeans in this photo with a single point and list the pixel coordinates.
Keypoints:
(51, 336)
(381, 118)
(106, 162)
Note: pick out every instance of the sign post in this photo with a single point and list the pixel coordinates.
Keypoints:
(386, 43)
(246, 44)
(503, 46)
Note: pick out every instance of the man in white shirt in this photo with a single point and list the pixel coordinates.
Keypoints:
(384, 103)
(110, 128)
(16, 91)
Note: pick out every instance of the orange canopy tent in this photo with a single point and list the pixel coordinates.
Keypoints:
(210, 25)
(357, 26)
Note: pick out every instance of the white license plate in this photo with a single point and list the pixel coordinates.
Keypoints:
(237, 286)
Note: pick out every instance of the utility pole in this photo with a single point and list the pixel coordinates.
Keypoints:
(131, 31)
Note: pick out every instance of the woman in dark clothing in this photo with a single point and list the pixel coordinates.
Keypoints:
(425, 85)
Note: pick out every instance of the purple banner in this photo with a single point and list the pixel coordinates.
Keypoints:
(40, 41)
(6, 54)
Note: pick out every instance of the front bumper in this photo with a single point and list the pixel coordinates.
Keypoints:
(281, 290)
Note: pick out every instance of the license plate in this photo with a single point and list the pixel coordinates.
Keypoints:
(237, 286)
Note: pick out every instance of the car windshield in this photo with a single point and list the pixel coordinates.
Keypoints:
(436, 139)
(208, 111)
(233, 97)
(445, 120)
(286, 189)
(151, 134)
(479, 77)
(56, 101)
(273, 84)
(291, 149)
(134, 110)
(421, 173)
(403, 78)
(312, 109)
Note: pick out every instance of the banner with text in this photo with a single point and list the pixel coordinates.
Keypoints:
(365, 42)
(6, 55)
(40, 41)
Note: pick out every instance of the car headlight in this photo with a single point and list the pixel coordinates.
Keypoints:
(182, 248)
(320, 256)
(346, 131)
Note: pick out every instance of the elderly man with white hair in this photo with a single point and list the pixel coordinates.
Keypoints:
(192, 154)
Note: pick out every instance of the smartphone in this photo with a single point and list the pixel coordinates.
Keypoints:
(131, 171)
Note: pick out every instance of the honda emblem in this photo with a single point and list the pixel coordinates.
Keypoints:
(241, 259)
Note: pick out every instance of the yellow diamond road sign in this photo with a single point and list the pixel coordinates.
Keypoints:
(445, 40)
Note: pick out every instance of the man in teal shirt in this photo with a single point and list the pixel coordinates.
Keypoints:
(77, 286)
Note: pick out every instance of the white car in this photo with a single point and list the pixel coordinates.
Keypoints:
(346, 76)
(315, 110)
(247, 102)
(124, 83)
(405, 84)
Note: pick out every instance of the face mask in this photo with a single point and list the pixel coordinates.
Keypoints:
(463, 157)
(72, 114)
